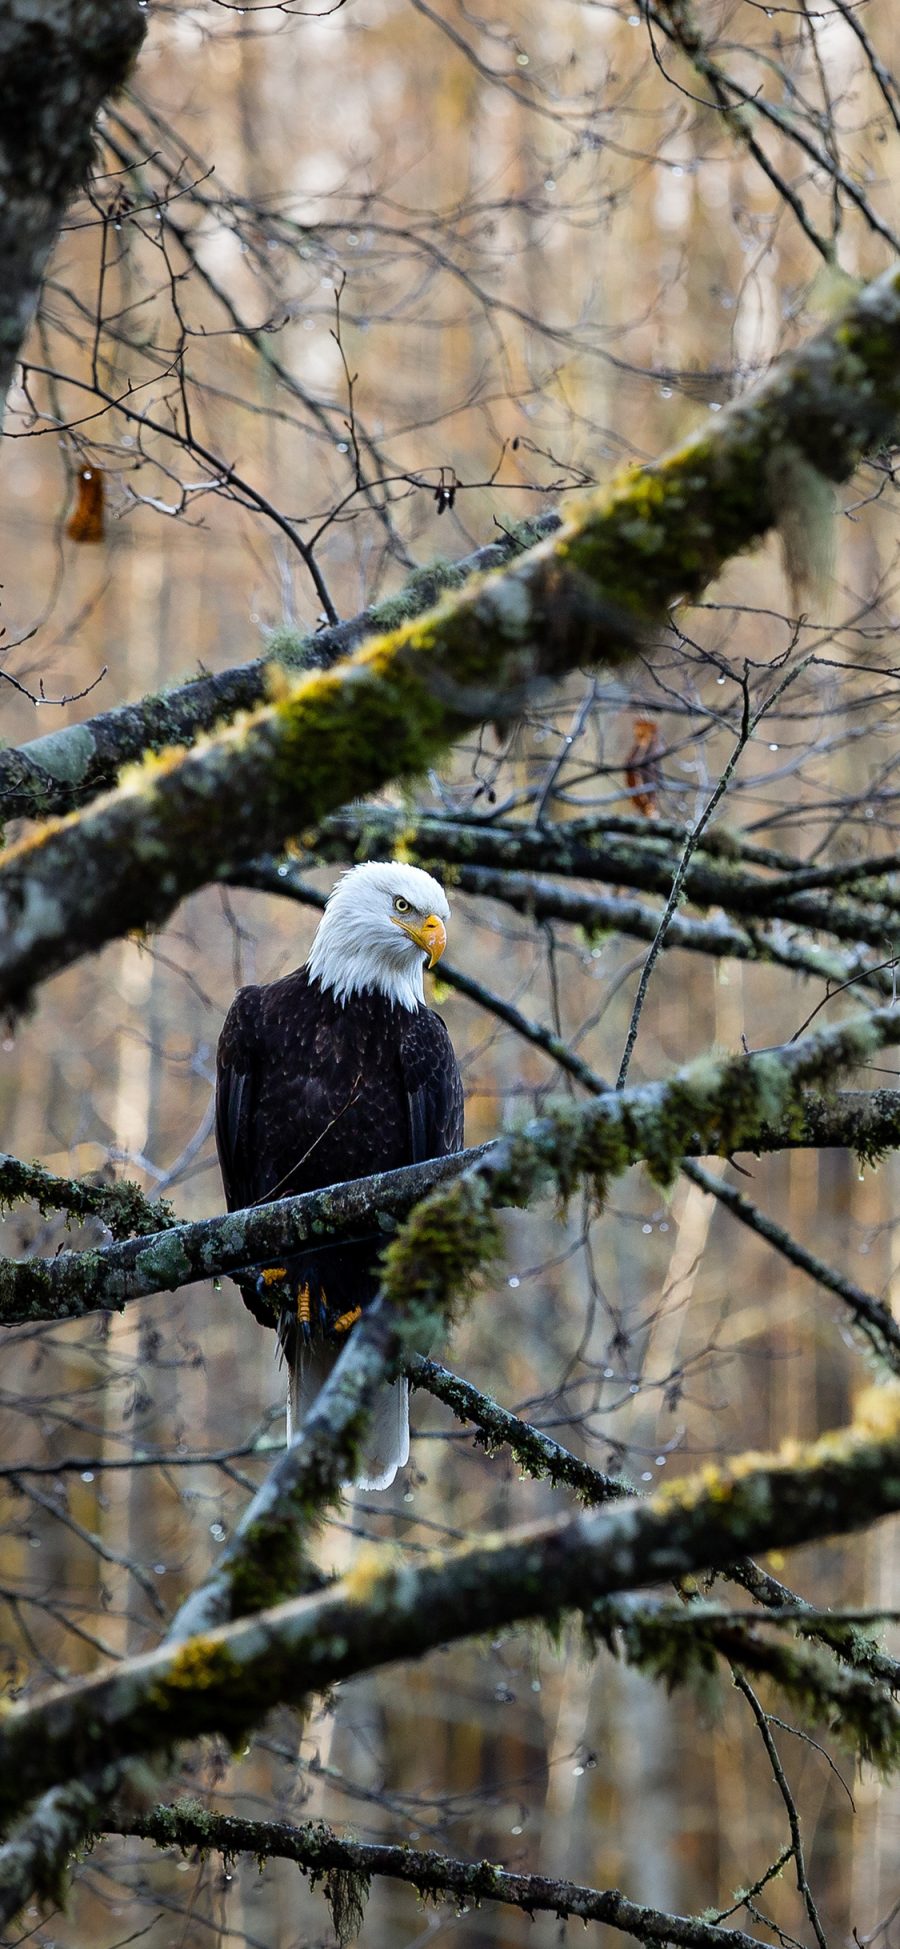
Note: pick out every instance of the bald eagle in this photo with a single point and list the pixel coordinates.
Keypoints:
(332, 1073)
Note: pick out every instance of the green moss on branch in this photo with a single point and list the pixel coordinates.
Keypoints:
(387, 1609)
(715, 1106)
(122, 1207)
(584, 597)
(318, 1851)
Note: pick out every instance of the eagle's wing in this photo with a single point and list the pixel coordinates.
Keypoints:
(236, 1075)
(433, 1086)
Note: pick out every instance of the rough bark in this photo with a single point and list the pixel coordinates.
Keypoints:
(739, 1103)
(583, 597)
(58, 59)
(227, 1680)
(317, 1850)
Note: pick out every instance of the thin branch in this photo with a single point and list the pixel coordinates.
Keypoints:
(536, 1452)
(871, 1314)
(790, 1807)
(316, 1849)
(749, 723)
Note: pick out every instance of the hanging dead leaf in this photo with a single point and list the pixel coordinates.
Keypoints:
(85, 523)
(642, 767)
(445, 492)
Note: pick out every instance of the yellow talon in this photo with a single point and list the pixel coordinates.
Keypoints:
(346, 1320)
(272, 1273)
(303, 1305)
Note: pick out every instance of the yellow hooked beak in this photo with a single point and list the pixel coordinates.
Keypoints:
(430, 935)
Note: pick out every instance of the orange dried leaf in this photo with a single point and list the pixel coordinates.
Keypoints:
(642, 767)
(85, 523)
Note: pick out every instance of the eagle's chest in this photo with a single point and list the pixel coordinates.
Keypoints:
(333, 1103)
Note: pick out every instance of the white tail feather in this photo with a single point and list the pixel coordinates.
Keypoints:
(386, 1447)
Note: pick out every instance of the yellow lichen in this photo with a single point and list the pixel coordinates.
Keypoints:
(199, 1665)
(367, 1574)
(876, 1411)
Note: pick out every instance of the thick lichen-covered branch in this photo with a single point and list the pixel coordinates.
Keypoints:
(539, 1455)
(319, 1852)
(57, 62)
(585, 596)
(75, 1283)
(387, 1609)
(713, 1105)
(756, 1103)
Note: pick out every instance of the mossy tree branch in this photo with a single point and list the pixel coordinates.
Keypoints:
(683, 1644)
(538, 1453)
(76, 1283)
(738, 1103)
(318, 1851)
(227, 1680)
(583, 597)
(122, 1207)
(540, 1456)
(710, 1106)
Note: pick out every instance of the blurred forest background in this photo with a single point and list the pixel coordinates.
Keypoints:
(370, 284)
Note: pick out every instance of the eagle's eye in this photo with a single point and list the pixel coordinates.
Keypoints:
(401, 905)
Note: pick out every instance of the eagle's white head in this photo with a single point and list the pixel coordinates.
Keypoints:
(384, 923)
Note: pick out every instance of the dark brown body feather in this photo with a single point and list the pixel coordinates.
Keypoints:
(311, 1091)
